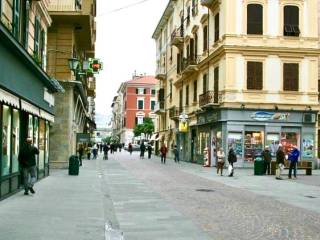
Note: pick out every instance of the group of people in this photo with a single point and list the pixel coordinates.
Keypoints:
(143, 148)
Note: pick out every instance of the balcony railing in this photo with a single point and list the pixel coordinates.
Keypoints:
(177, 36)
(161, 74)
(207, 3)
(159, 108)
(65, 5)
(174, 112)
(208, 98)
(190, 64)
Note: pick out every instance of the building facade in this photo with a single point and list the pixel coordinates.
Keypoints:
(243, 72)
(72, 35)
(26, 91)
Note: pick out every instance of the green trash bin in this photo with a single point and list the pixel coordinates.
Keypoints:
(258, 166)
(74, 165)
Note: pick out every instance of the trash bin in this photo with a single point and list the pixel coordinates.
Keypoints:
(74, 165)
(258, 166)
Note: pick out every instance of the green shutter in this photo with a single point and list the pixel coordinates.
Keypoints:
(26, 34)
(16, 19)
(36, 36)
(42, 48)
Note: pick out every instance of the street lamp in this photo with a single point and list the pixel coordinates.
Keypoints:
(73, 65)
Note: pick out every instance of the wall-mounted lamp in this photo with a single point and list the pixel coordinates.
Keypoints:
(308, 108)
(276, 107)
(242, 106)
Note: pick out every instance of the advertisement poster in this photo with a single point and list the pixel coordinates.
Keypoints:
(307, 146)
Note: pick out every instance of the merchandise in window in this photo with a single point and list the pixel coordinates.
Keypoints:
(288, 140)
(273, 143)
(308, 146)
(15, 140)
(6, 140)
(235, 142)
(253, 145)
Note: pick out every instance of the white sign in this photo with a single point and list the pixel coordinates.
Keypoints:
(48, 97)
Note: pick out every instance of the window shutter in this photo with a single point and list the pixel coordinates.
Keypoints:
(254, 75)
(26, 27)
(187, 95)
(137, 90)
(36, 36)
(195, 91)
(144, 91)
(291, 77)
(254, 19)
(42, 49)
(216, 27)
(196, 44)
(16, 19)
(205, 83)
(178, 63)
(205, 38)
(216, 84)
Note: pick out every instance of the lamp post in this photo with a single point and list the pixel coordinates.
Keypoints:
(74, 65)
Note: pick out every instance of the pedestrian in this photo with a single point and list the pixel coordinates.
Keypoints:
(149, 150)
(101, 147)
(142, 150)
(27, 160)
(88, 152)
(280, 156)
(95, 151)
(206, 157)
(120, 147)
(266, 155)
(105, 151)
(81, 152)
(293, 157)
(220, 160)
(232, 158)
(176, 154)
(130, 148)
(163, 152)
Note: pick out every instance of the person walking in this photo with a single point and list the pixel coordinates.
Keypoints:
(149, 150)
(27, 160)
(293, 157)
(163, 152)
(142, 150)
(280, 156)
(88, 152)
(105, 151)
(176, 154)
(232, 158)
(80, 151)
(120, 147)
(130, 148)
(266, 155)
(221, 159)
(95, 151)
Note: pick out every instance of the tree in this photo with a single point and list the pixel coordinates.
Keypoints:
(146, 128)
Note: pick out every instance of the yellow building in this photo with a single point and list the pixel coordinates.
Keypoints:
(245, 72)
(71, 35)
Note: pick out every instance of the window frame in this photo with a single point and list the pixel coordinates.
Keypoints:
(216, 27)
(284, 78)
(138, 106)
(205, 38)
(255, 83)
(252, 25)
(195, 90)
(291, 28)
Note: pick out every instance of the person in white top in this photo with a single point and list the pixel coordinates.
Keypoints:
(221, 159)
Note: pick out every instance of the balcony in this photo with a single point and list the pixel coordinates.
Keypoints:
(161, 74)
(159, 108)
(209, 99)
(65, 5)
(208, 3)
(175, 112)
(190, 64)
(177, 37)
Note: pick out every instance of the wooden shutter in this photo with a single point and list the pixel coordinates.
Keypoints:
(196, 44)
(205, 38)
(187, 95)
(192, 55)
(216, 84)
(195, 91)
(36, 36)
(16, 19)
(216, 27)
(291, 21)
(291, 77)
(254, 19)
(254, 75)
(204, 85)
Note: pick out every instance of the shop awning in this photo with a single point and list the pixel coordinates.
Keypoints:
(9, 98)
(28, 107)
(46, 116)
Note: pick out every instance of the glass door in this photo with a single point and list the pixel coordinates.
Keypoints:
(42, 132)
(15, 140)
(6, 140)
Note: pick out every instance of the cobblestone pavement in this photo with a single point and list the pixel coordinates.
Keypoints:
(221, 211)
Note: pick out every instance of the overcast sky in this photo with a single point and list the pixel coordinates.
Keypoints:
(124, 44)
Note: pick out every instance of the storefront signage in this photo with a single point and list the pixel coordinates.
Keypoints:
(265, 116)
(183, 127)
(83, 137)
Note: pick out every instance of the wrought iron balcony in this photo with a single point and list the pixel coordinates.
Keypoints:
(161, 74)
(209, 98)
(159, 108)
(207, 3)
(177, 36)
(190, 64)
(175, 112)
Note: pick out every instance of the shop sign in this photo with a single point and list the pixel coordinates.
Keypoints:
(83, 137)
(265, 116)
(183, 126)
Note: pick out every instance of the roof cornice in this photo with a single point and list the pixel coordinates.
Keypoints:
(164, 18)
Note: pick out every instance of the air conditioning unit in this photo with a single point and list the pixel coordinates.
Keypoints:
(309, 118)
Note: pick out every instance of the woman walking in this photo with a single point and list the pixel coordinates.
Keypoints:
(221, 159)
(232, 158)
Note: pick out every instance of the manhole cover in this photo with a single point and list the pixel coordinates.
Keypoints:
(204, 190)
(310, 197)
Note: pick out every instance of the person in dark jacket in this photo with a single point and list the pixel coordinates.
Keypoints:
(105, 151)
(149, 150)
(176, 154)
(232, 158)
(142, 150)
(130, 148)
(293, 157)
(27, 160)
(81, 152)
(163, 152)
(280, 156)
(266, 155)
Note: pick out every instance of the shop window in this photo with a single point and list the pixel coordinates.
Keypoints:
(254, 75)
(253, 145)
(42, 132)
(291, 77)
(205, 38)
(291, 21)
(235, 142)
(273, 142)
(6, 140)
(308, 146)
(203, 141)
(288, 140)
(255, 19)
(15, 140)
(216, 27)
(30, 127)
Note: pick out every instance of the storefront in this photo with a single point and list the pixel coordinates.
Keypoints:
(249, 131)
(26, 110)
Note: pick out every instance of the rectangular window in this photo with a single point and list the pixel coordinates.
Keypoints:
(36, 37)
(170, 91)
(25, 8)
(6, 140)
(196, 44)
(195, 91)
(16, 19)
(15, 140)
(291, 21)
(187, 95)
(254, 19)
(140, 120)
(216, 84)
(205, 83)
(140, 104)
(254, 75)
(43, 49)
(194, 7)
(291, 77)
(216, 27)
(140, 91)
(153, 103)
(205, 38)
(178, 63)
(153, 92)
(42, 131)
(180, 99)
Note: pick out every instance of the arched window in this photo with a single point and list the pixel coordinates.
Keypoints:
(291, 21)
(254, 19)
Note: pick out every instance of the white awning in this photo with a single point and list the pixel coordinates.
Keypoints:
(28, 107)
(46, 116)
(9, 98)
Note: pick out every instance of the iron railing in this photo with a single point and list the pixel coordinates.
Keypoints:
(208, 97)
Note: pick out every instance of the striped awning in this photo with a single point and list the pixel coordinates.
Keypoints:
(9, 98)
(46, 116)
(28, 107)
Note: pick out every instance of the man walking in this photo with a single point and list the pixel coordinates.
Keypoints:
(176, 154)
(232, 158)
(266, 154)
(280, 156)
(149, 150)
(163, 152)
(27, 160)
(293, 158)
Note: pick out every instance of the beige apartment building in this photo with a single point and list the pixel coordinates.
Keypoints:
(244, 72)
(71, 35)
